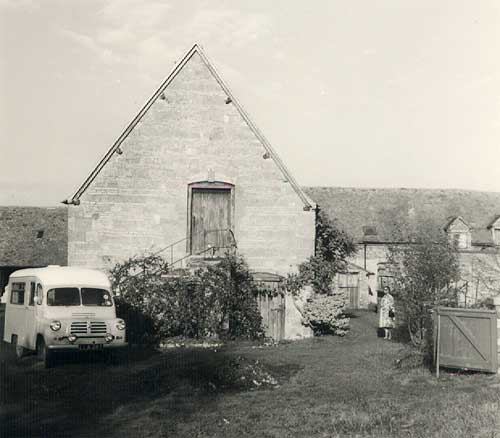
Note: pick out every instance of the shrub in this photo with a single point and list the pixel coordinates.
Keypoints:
(333, 247)
(326, 314)
(325, 311)
(217, 300)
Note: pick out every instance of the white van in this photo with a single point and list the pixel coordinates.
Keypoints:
(59, 309)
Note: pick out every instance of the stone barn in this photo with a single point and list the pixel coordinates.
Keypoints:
(31, 237)
(190, 176)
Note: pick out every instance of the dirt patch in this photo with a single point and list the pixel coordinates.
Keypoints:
(229, 373)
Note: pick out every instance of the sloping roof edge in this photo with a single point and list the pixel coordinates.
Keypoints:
(455, 219)
(308, 203)
(494, 222)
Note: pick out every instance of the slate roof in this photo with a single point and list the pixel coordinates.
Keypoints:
(370, 214)
(33, 236)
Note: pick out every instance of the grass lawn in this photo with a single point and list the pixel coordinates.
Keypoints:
(322, 387)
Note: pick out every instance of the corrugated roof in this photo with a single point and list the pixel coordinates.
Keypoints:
(33, 236)
(378, 210)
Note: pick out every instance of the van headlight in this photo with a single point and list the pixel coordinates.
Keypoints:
(72, 338)
(120, 325)
(109, 337)
(55, 325)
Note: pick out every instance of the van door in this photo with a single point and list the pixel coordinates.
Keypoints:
(30, 324)
(15, 315)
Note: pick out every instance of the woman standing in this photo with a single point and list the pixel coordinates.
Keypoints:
(386, 315)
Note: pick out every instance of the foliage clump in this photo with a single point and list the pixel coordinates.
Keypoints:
(325, 311)
(218, 300)
(326, 315)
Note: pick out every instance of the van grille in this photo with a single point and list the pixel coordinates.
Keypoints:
(98, 327)
(92, 327)
(79, 328)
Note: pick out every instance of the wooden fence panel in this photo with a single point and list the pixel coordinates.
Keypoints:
(466, 338)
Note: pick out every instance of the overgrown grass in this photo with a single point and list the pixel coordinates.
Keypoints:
(322, 387)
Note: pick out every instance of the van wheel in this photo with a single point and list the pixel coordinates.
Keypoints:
(20, 350)
(43, 353)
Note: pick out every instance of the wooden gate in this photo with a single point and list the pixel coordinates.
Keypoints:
(466, 338)
(271, 305)
(348, 282)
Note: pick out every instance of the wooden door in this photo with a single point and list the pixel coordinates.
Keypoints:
(349, 283)
(210, 219)
(272, 310)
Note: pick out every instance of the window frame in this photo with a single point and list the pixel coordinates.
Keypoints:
(13, 289)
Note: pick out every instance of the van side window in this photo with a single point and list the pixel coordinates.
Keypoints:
(17, 293)
(32, 294)
(39, 293)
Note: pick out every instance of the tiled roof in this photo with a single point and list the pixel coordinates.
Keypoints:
(33, 236)
(372, 214)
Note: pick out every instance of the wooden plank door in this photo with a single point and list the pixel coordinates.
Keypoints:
(210, 215)
(272, 310)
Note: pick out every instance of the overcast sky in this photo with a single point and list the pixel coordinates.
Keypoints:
(385, 93)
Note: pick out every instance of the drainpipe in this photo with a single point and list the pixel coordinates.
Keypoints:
(364, 249)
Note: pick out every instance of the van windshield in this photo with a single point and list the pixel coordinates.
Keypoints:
(63, 296)
(73, 296)
(95, 297)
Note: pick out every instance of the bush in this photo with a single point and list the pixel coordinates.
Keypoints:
(325, 311)
(326, 314)
(216, 301)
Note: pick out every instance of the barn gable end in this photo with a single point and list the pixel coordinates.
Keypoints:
(192, 133)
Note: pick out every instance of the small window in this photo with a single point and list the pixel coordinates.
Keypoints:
(32, 294)
(17, 293)
(39, 234)
(370, 231)
(460, 240)
(496, 236)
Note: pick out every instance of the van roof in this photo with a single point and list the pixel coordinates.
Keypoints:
(65, 275)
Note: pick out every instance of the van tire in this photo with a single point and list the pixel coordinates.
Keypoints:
(19, 350)
(43, 353)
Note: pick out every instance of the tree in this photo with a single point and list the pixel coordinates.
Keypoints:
(423, 269)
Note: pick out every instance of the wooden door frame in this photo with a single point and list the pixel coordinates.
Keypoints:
(207, 185)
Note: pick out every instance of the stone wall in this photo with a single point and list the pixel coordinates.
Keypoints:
(138, 202)
(33, 236)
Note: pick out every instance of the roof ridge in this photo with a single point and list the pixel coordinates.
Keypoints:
(430, 189)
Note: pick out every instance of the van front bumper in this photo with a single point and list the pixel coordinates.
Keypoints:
(87, 346)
